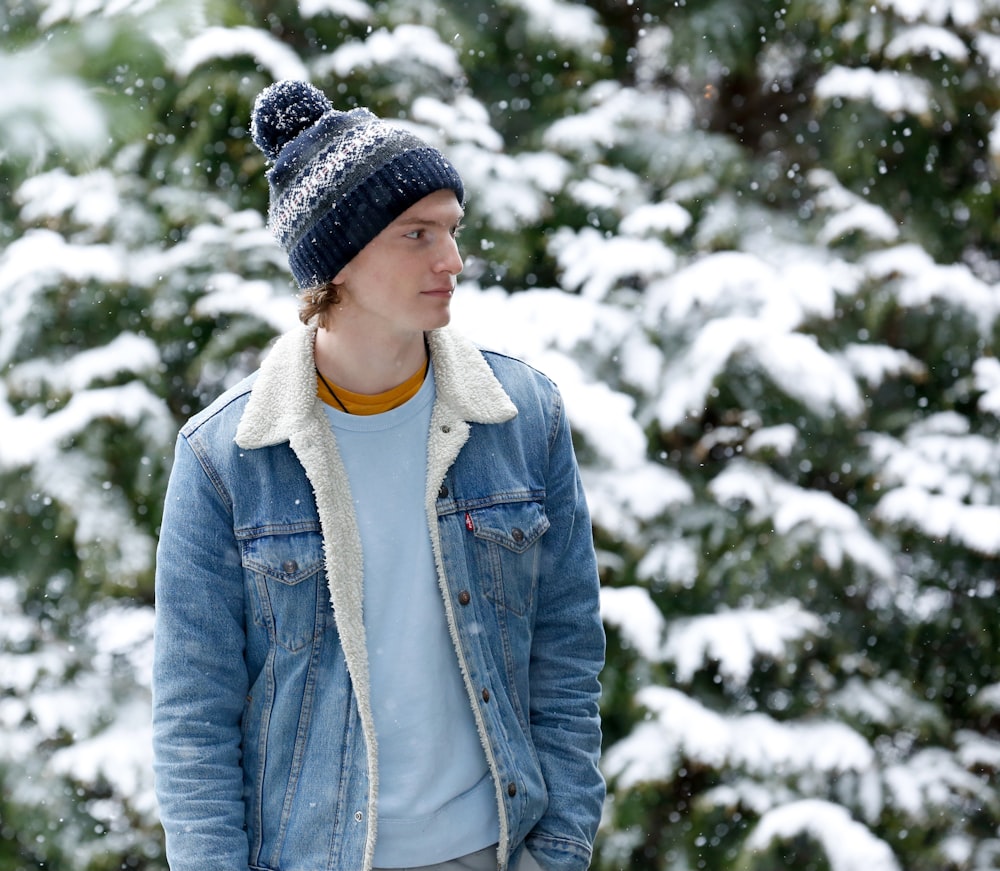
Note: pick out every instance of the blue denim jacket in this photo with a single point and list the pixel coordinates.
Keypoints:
(264, 745)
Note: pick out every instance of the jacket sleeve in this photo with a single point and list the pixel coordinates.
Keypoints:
(567, 655)
(199, 673)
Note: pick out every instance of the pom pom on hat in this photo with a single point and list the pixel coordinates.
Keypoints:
(338, 178)
(284, 110)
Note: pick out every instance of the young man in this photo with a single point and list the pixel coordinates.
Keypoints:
(378, 638)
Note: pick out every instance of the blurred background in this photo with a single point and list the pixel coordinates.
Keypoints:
(757, 246)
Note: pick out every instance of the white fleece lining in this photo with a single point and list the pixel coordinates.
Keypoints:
(283, 407)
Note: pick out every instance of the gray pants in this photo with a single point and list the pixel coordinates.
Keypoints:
(484, 860)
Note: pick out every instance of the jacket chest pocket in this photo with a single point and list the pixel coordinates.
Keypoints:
(508, 551)
(288, 590)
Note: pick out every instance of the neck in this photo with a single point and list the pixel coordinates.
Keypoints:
(357, 364)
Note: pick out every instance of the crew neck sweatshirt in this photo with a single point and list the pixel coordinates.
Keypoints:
(436, 796)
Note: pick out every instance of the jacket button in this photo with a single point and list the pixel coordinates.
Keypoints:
(443, 492)
(289, 567)
(446, 428)
(486, 694)
(464, 598)
(358, 816)
(512, 789)
(517, 535)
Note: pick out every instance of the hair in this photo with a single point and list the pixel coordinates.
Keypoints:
(316, 302)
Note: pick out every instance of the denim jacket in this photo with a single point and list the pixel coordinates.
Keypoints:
(265, 756)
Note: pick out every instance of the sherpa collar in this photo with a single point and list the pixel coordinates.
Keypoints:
(283, 399)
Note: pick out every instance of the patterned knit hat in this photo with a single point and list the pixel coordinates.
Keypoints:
(339, 178)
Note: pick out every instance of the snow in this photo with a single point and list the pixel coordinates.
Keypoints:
(42, 111)
(962, 12)
(937, 42)
(734, 639)
(623, 500)
(874, 364)
(847, 844)
(463, 120)
(515, 199)
(354, 10)
(669, 563)
(404, 45)
(655, 218)
(812, 518)
(977, 527)
(632, 611)
(918, 281)
(930, 780)
(126, 354)
(680, 731)
(22, 280)
(886, 703)
(794, 361)
(612, 113)
(90, 199)
(988, 698)
(229, 293)
(226, 42)
(596, 265)
(988, 46)
(890, 91)
(568, 24)
(780, 440)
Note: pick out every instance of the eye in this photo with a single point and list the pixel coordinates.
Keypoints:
(414, 234)
(456, 231)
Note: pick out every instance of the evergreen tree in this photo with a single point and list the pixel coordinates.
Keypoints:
(756, 246)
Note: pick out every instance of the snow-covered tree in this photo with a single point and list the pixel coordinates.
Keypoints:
(755, 245)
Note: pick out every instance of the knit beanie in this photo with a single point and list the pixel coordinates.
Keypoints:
(338, 178)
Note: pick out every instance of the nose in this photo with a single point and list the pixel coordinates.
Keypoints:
(450, 258)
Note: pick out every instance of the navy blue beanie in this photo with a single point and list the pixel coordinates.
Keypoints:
(338, 178)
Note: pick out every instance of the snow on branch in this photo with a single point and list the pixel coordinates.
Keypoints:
(596, 265)
(937, 481)
(33, 437)
(934, 782)
(848, 844)
(887, 703)
(736, 638)
(127, 354)
(216, 43)
(43, 111)
(635, 615)
(916, 281)
(850, 213)
(404, 46)
(571, 24)
(813, 517)
(681, 731)
(889, 91)
(355, 10)
(976, 527)
(987, 379)
(936, 42)
(612, 114)
(795, 362)
(36, 261)
(963, 13)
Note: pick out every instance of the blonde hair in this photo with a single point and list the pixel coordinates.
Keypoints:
(316, 302)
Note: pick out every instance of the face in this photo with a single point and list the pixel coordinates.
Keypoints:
(403, 280)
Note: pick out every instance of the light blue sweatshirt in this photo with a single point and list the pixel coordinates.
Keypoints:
(436, 798)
